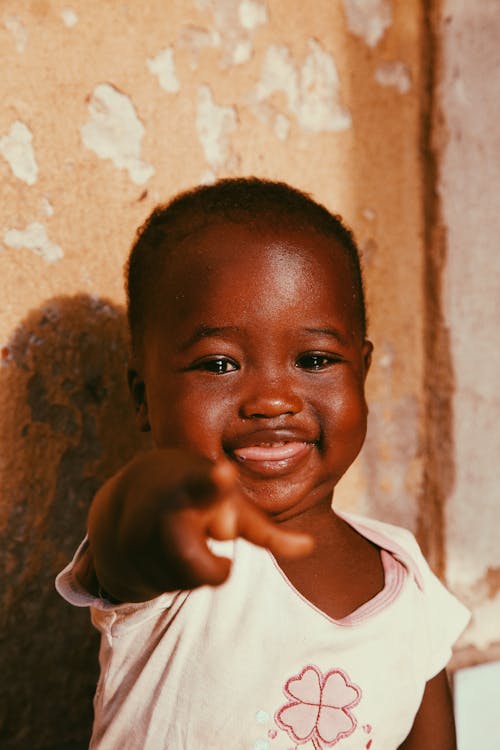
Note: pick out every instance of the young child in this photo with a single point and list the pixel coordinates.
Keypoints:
(238, 611)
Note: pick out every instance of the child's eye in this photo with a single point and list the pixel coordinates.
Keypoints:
(217, 365)
(316, 361)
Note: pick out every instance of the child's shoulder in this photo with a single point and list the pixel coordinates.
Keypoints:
(392, 531)
(397, 540)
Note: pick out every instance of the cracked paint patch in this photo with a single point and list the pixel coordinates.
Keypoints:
(33, 238)
(242, 52)
(214, 125)
(252, 14)
(17, 30)
(368, 19)
(115, 132)
(195, 39)
(282, 127)
(16, 148)
(163, 66)
(395, 74)
(69, 17)
(319, 107)
(236, 23)
(312, 92)
(46, 207)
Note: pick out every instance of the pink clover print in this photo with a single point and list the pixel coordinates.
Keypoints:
(319, 707)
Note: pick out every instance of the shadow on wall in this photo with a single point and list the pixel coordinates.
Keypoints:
(67, 424)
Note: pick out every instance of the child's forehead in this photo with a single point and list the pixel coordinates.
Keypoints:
(218, 244)
(231, 271)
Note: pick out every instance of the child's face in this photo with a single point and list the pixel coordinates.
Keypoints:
(255, 354)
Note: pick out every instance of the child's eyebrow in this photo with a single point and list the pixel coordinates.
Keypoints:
(203, 331)
(333, 333)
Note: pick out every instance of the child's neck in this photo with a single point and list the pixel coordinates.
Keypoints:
(345, 569)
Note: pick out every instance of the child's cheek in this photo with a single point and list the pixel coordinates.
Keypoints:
(195, 422)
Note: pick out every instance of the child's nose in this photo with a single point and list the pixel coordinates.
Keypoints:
(271, 399)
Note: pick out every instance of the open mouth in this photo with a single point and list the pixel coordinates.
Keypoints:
(272, 459)
(278, 451)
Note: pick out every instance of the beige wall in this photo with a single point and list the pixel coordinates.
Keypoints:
(109, 108)
(469, 98)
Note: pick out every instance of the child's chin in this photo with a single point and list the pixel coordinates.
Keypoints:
(276, 496)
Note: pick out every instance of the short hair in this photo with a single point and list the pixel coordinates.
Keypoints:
(243, 200)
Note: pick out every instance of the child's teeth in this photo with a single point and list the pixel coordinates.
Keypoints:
(277, 451)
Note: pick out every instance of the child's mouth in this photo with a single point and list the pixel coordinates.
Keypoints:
(272, 452)
(275, 451)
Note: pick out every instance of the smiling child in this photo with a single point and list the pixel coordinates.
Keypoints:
(237, 609)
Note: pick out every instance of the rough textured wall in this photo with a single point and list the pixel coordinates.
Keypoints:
(469, 139)
(66, 424)
(109, 108)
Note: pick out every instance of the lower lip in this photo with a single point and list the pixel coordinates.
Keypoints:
(273, 459)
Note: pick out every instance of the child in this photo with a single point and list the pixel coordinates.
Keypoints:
(237, 610)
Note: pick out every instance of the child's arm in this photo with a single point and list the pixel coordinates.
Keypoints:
(434, 726)
(149, 525)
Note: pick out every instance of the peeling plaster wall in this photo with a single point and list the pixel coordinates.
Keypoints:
(109, 108)
(468, 188)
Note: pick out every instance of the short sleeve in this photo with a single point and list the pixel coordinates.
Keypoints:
(445, 617)
(69, 587)
(112, 619)
(109, 617)
(446, 620)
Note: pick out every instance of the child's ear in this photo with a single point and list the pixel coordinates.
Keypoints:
(137, 388)
(367, 355)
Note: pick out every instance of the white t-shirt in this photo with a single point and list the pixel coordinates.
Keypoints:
(252, 665)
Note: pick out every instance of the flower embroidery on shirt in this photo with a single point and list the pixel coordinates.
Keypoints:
(318, 708)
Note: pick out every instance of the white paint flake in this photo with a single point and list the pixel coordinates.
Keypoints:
(236, 23)
(17, 29)
(163, 66)
(281, 127)
(195, 40)
(69, 17)
(242, 52)
(278, 74)
(115, 132)
(47, 207)
(214, 124)
(17, 149)
(208, 178)
(312, 92)
(368, 19)
(252, 14)
(320, 108)
(33, 238)
(395, 74)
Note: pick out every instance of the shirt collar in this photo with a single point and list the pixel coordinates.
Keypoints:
(376, 532)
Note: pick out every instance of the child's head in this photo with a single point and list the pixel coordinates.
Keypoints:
(248, 326)
(245, 201)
